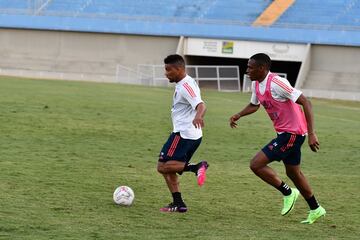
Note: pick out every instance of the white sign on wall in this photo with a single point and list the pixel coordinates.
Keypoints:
(244, 49)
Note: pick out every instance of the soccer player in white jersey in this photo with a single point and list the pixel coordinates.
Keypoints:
(282, 103)
(187, 114)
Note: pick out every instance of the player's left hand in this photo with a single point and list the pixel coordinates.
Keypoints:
(313, 142)
(198, 122)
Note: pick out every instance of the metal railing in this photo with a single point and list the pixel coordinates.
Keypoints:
(222, 78)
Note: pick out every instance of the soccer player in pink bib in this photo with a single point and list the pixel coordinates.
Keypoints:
(292, 124)
(187, 113)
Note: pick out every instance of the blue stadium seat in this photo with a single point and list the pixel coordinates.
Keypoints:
(244, 11)
(14, 4)
(306, 21)
(65, 5)
(314, 14)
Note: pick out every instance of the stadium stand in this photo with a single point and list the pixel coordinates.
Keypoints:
(335, 15)
(15, 6)
(65, 6)
(273, 12)
(320, 22)
(180, 9)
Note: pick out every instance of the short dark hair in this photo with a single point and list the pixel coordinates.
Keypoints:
(175, 59)
(262, 59)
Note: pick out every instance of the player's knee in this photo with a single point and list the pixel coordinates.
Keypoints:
(258, 162)
(160, 169)
(254, 167)
(164, 169)
(293, 174)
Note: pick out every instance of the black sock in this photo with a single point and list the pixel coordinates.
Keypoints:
(177, 200)
(313, 204)
(284, 189)
(190, 167)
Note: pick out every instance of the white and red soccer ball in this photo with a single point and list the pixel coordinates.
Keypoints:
(123, 196)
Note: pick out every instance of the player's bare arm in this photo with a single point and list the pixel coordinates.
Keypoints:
(312, 138)
(249, 109)
(199, 117)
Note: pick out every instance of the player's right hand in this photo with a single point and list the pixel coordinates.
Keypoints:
(233, 120)
(313, 142)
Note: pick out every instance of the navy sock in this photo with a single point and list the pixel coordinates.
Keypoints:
(284, 189)
(190, 167)
(313, 204)
(177, 200)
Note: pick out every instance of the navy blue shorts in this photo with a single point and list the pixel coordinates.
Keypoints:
(286, 147)
(178, 148)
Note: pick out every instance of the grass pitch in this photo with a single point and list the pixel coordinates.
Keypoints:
(65, 147)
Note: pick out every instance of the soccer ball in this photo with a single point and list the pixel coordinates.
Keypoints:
(123, 196)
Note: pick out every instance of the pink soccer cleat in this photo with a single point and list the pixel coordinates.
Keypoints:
(201, 173)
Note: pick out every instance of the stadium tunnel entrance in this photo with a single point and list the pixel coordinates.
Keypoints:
(290, 68)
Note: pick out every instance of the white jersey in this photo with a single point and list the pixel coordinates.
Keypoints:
(280, 88)
(186, 98)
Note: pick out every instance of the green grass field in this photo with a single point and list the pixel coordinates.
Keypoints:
(65, 147)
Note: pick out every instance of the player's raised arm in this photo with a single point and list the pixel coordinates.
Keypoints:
(249, 109)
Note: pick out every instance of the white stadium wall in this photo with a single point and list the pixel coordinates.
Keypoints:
(334, 73)
(328, 71)
(77, 55)
(244, 49)
(335, 58)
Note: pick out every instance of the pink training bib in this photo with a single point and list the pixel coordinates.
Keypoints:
(286, 116)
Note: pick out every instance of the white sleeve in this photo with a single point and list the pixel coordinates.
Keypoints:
(254, 100)
(191, 93)
(283, 89)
